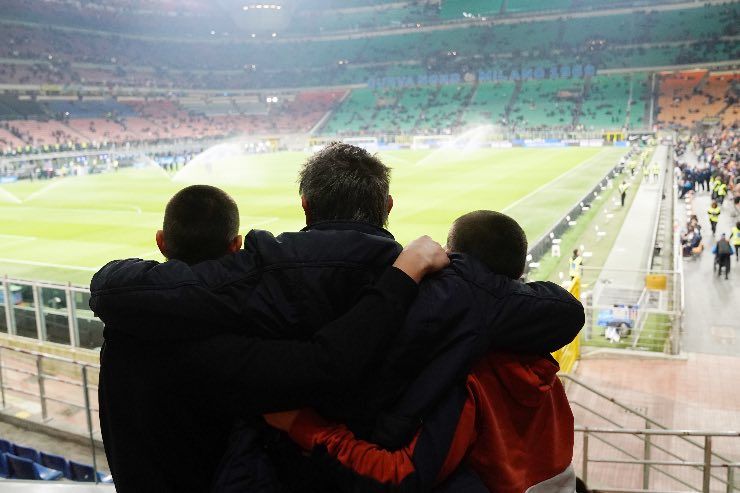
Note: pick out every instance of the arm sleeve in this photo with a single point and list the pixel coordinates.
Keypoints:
(261, 376)
(539, 318)
(365, 466)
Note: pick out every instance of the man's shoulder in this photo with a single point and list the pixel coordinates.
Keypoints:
(322, 246)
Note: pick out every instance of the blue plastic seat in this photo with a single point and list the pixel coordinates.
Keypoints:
(56, 462)
(21, 468)
(85, 472)
(4, 467)
(6, 447)
(27, 453)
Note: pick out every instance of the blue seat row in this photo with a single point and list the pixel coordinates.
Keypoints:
(20, 462)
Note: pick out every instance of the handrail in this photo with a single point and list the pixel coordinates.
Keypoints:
(663, 432)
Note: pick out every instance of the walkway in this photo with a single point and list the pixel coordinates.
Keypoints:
(711, 322)
(624, 269)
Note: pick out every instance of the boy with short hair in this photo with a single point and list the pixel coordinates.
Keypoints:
(514, 428)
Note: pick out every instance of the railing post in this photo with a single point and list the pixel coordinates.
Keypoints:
(2, 382)
(646, 456)
(730, 479)
(74, 335)
(707, 477)
(9, 307)
(42, 391)
(39, 309)
(88, 415)
(584, 451)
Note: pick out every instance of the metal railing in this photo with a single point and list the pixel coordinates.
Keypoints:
(705, 466)
(49, 312)
(632, 308)
(671, 453)
(56, 391)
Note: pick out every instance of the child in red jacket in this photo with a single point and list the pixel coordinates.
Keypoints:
(512, 424)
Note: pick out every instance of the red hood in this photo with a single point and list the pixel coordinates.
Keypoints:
(527, 378)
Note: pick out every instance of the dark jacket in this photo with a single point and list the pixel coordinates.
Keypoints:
(289, 286)
(168, 405)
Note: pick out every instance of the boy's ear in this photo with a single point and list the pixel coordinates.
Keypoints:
(306, 211)
(390, 203)
(161, 243)
(236, 244)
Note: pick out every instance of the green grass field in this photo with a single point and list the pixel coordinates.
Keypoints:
(65, 229)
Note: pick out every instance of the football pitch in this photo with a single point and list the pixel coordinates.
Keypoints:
(63, 230)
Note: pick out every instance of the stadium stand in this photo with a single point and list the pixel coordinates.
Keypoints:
(605, 102)
(547, 103)
(689, 97)
(489, 104)
(21, 462)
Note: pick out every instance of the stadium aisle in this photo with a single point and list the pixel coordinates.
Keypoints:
(633, 243)
(711, 324)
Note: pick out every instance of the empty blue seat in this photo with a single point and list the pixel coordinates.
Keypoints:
(84, 472)
(4, 468)
(6, 447)
(21, 468)
(56, 462)
(27, 453)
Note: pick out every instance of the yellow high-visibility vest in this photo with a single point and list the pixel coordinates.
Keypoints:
(714, 213)
(736, 236)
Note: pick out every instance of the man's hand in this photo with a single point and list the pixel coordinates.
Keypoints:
(282, 421)
(421, 257)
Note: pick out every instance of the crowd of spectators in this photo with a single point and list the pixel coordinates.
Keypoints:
(714, 173)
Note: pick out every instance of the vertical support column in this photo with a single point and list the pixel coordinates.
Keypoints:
(2, 381)
(584, 451)
(9, 307)
(74, 334)
(707, 476)
(730, 479)
(88, 415)
(42, 390)
(39, 309)
(646, 456)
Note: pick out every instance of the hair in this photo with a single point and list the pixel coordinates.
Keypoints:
(200, 221)
(343, 182)
(493, 238)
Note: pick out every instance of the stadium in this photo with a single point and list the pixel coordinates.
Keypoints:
(607, 130)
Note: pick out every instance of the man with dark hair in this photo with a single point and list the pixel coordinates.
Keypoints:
(345, 183)
(493, 238)
(290, 286)
(201, 222)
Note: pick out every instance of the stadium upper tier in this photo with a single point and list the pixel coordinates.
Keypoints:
(604, 39)
(595, 104)
(200, 18)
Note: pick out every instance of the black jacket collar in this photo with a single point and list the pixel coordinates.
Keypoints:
(360, 226)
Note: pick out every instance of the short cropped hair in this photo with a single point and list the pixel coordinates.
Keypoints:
(493, 238)
(200, 222)
(343, 182)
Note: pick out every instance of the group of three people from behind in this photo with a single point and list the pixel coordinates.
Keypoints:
(383, 384)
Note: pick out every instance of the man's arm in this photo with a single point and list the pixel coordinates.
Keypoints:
(432, 456)
(258, 376)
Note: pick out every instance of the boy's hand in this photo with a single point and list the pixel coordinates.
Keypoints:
(282, 421)
(421, 257)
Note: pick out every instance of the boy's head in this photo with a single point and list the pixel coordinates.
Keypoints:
(343, 182)
(493, 238)
(201, 222)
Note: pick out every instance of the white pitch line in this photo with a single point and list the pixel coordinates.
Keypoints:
(47, 264)
(550, 183)
(19, 237)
